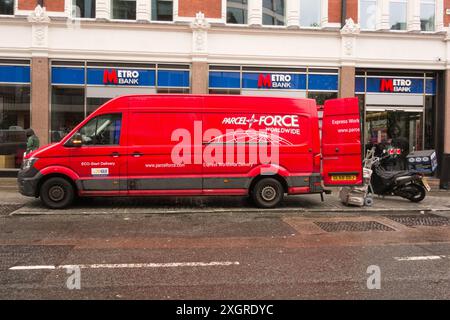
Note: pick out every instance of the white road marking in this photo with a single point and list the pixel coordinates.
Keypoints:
(33, 268)
(129, 265)
(419, 258)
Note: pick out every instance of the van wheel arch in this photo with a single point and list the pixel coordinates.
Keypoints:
(275, 176)
(55, 175)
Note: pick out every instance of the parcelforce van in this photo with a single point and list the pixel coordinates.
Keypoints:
(186, 145)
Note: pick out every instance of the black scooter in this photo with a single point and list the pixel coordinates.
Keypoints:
(406, 184)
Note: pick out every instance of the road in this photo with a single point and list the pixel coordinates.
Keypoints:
(128, 249)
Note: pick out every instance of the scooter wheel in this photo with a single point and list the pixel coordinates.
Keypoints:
(418, 193)
(368, 201)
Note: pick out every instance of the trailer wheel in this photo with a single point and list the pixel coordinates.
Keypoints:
(57, 193)
(368, 201)
(267, 193)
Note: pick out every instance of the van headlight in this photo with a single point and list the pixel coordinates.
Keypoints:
(28, 163)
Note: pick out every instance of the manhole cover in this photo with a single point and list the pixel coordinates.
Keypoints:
(429, 220)
(360, 226)
(8, 208)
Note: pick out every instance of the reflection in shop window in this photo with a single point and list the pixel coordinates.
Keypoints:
(162, 10)
(321, 97)
(430, 122)
(237, 11)
(67, 111)
(427, 15)
(225, 91)
(273, 12)
(92, 104)
(310, 13)
(124, 9)
(367, 14)
(173, 90)
(7, 7)
(398, 14)
(14, 118)
(83, 8)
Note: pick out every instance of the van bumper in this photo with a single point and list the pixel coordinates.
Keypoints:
(27, 181)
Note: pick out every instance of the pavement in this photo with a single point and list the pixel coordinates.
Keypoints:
(435, 201)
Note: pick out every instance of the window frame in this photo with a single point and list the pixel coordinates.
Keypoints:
(83, 18)
(237, 24)
(273, 16)
(119, 19)
(377, 3)
(14, 5)
(434, 2)
(319, 24)
(406, 15)
(162, 21)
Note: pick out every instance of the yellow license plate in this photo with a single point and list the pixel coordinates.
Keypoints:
(351, 177)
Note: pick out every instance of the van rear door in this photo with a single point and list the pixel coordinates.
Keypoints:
(341, 143)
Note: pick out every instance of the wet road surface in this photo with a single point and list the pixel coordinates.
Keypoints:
(240, 255)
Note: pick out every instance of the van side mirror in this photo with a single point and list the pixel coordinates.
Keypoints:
(76, 141)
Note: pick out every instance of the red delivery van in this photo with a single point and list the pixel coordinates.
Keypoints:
(186, 145)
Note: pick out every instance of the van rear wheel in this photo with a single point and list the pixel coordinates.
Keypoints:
(57, 193)
(267, 193)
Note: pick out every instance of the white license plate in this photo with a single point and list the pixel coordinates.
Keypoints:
(425, 183)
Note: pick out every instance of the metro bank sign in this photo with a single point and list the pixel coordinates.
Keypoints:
(395, 85)
(280, 81)
(121, 77)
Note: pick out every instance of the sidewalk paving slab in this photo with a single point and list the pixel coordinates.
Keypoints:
(179, 205)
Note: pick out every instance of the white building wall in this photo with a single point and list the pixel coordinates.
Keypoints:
(132, 41)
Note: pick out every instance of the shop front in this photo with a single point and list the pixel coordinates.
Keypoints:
(400, 111)
(78, 88)
(14, 111)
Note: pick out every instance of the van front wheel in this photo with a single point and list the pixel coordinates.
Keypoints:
(267, 193)
(57, 193)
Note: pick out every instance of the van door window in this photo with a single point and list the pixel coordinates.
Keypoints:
(102, 130)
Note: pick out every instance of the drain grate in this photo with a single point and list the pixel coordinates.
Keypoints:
(6, 209)
(353, 226)
(428, 220)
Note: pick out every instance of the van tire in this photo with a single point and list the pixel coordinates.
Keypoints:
(267, 193)
(57, 193)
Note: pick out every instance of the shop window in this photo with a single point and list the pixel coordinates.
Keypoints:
(273, 12)
(430, 122)
(67, 110)
(14, 118)
(93, 103)
(321, 97)
(367, 14)
(224, 91)
(7, 7)
(162, 10)
(427, 15)
(398, 13)
(237, 11)
(310, 13)
(173, 90)
(83, 9)
(124, 9)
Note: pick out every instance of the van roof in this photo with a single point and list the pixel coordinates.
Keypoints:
(212, 103)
